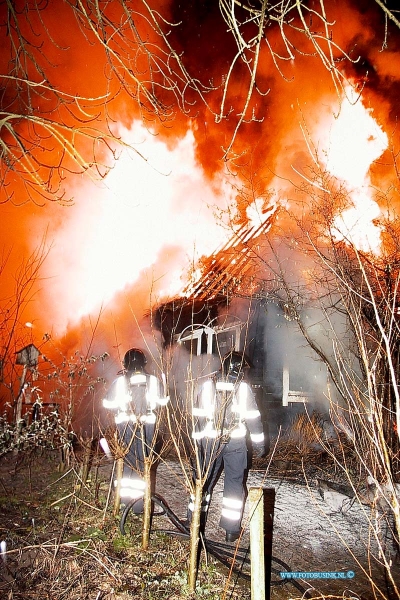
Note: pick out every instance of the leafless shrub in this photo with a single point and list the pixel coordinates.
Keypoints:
(356, 295)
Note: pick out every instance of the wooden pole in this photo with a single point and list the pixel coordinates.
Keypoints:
(257, 554)
(18, 407)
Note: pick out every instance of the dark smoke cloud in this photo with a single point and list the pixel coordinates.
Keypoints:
(269, 146)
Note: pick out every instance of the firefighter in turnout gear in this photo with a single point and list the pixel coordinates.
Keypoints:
(226, 418)
(135, 396)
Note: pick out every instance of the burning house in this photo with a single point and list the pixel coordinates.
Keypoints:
(228, 306)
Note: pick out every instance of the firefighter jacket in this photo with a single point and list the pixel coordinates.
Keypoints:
(227, 409)
(134, 398)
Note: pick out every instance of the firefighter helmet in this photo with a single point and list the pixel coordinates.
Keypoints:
(234, 363)
(134, 361)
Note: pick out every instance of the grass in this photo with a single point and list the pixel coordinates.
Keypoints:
(64, 543)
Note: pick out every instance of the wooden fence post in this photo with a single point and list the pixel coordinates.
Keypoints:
(257, 552)
(261, 517)
(146, 503)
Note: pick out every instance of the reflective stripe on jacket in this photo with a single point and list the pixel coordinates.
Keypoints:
(227, 408)
(134, 398)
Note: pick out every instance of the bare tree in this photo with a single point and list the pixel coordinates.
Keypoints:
(48, 134)
(198, 431)
(345, 303)
(14, 308)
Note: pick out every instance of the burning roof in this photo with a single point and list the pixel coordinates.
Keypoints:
(135, 230)
(229, 271)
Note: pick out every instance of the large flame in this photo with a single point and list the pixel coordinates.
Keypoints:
(146, 225)
(153, 219)
(355, 142)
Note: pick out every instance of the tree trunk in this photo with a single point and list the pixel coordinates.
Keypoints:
(195, 536)
(118, 474)
(146, 504)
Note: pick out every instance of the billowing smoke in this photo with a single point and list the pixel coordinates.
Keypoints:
(128, 241)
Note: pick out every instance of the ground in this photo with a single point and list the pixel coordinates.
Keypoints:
(306, 532)
(62, 541)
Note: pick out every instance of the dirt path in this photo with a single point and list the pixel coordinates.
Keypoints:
(308, 534)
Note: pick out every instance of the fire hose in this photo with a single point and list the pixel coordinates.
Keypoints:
(224, 553)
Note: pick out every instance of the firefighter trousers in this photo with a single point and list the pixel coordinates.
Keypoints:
(231, 458)
(138, 439)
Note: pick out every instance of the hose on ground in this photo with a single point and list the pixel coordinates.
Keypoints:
(224, 553)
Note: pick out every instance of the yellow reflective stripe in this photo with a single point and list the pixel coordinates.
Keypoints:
(123, 417)
(243, 394)
(163, 401)
(133, 483)
(210, 431)
(151, 419)
(251, 414)
(232, 508)
(110, 403)
(137, 379)
(205, 433)
(225, 386)
(239, 432)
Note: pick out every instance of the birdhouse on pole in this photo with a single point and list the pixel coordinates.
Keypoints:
(28, 357)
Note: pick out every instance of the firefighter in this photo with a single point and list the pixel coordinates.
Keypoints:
(226, 418)
(134, 396)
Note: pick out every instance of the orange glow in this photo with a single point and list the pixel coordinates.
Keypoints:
(150, 220)
(136, 235)
(257, 215)
(355, 141)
